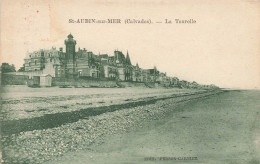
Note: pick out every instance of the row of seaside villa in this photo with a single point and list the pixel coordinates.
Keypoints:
(42, 66)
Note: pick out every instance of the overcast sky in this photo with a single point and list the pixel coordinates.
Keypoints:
(221, 48)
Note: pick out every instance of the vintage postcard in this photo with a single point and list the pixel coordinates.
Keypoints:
(130, 82)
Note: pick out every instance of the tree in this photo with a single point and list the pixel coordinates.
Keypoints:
(5, 67)
(22, 69)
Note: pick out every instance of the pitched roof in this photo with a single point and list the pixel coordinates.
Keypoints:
(103, 56)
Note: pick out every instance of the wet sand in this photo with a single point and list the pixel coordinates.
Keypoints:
(223, 128)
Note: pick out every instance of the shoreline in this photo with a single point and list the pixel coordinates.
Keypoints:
(58, 119)
(25, 103)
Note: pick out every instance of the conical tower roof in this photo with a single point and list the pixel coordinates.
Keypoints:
(70, 36)
(128, 61)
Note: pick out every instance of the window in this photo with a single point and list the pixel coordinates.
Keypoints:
(35, 62)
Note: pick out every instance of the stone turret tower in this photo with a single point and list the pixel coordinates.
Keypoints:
(70, 54)
(70, 47)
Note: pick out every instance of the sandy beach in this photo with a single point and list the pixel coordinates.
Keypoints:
(152, 126)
